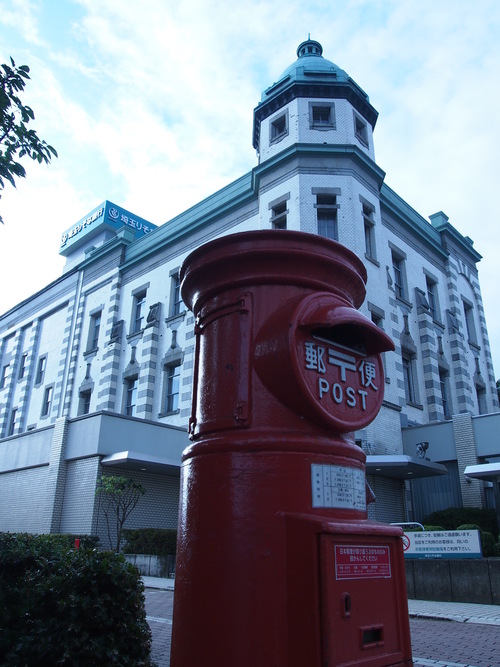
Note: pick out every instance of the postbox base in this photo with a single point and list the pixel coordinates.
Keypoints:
(263, 578)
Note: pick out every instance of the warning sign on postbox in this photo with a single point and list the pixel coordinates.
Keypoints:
(362, 562)
(345, 383)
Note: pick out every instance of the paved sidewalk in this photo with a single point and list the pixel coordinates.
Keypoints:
(426, 609)
(488, 614)
(463, 612)
(158, 582)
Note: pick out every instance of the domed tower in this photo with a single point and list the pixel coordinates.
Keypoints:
(313, 131)
(314, 101)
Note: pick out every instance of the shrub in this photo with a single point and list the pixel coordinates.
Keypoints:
(452, 517)
(68, 539)
(487, 539)
(151, 541)
(433, 528)
(487, 544)
(69, 607)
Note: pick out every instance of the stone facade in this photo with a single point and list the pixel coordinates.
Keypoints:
(112, 337)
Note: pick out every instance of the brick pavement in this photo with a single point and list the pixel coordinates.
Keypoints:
(462, 642)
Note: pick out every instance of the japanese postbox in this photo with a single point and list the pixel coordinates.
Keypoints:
(277, 563)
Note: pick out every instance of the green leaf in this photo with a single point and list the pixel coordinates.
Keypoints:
(16, 140)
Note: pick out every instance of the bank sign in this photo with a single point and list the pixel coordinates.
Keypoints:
(107, 216)
(442, 544)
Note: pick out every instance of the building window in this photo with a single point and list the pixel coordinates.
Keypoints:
(409, 377)
(138, 308)
(3, 379)
(398, 268)
(444, 384)
(361, 130)
(369, 227)
(94, 328)
(172, 385)
(84, 406)
(40, 371)
(278, 128)
(176, 305)
(469, 322)
(321, 116)
(481, 400)
(432, 298)
(47, 401)
(326, 210)
(377, 319)
(12, 422)
(278, 217)
(22, 365)
(130, 396)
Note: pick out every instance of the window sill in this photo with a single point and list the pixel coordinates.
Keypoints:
(276, 140)
(474, 346)
(362, 141)
(372, 260)
(135, 336)
(90, 353)
(401, 299)
(322, 126)
(175, 319)
(418, 406)
(168, 414)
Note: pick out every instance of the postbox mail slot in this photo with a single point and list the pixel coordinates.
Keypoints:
(372, 636)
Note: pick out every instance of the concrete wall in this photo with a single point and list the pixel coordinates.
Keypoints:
(461, 580)
(153, 566)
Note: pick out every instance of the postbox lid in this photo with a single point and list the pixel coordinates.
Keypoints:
(272, 257)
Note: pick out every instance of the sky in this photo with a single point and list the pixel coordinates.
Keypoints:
(150, 105)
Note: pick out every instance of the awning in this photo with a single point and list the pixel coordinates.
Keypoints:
(402, 466)
(489, 471)
(142, 462)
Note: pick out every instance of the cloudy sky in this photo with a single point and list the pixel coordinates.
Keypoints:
(150, 105)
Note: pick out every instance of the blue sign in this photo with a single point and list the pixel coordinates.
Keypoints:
(106, 217)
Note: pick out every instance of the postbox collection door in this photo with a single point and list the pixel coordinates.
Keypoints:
(361, 607)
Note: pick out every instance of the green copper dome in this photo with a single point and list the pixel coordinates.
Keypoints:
(309, 67)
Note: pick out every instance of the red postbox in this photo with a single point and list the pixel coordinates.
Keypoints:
(277, 564)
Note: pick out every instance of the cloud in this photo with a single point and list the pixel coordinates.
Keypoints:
(151, 105)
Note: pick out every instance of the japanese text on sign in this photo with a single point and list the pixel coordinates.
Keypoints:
(338, 486)
(362, 562)
(442, 544)
(350, 370)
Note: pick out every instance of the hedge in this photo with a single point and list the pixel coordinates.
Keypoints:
(487, 539)
(151, 541)
(70, 607)
(453, 517)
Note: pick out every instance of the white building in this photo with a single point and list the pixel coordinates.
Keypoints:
(96, 368)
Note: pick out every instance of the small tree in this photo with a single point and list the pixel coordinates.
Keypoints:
(16, 140)
(119, 496)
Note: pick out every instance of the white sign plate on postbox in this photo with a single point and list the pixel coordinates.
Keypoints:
(338, 486)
